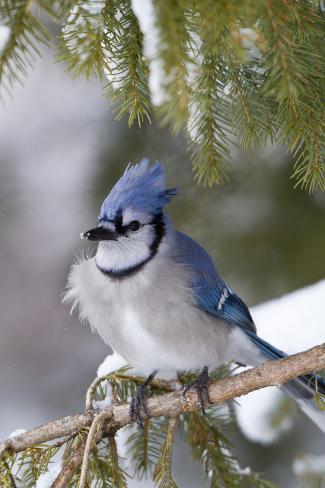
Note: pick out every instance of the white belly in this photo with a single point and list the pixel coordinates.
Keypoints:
(145, 345)
(151, 326)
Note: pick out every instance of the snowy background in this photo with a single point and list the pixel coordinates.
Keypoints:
(60, 152)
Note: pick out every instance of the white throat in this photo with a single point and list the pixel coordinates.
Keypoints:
(128, 253)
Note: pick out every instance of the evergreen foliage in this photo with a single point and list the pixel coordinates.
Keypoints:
(232, 71)
(20, 49)
(162, 475)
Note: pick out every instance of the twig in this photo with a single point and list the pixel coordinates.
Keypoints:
(72, 463)
(94, 436)
(63, 440)
(70, 467)
(92, 390)
(47, 432)
(170, 404)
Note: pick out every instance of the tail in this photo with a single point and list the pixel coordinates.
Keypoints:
(302, 389)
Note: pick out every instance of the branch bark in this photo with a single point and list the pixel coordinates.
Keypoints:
(271, 373)
(70, 467)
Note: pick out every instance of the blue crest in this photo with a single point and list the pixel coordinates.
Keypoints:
(142, 187)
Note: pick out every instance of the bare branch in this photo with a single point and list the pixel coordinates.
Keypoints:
(47, 432)
(94, 436)
(170, 404)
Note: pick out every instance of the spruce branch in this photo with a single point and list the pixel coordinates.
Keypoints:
(270, 373)
(252, 114)
(118, 475)
(127, 69)
(3, 479)
(207, 441)
(176, 53)
(233, 72)
(145, 445)
(89, 456)
(210, 126)
(162, 474)
(20, 49)
(83, 39)
(209, 121)
(294, 63)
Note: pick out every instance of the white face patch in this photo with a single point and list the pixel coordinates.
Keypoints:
(127, 252)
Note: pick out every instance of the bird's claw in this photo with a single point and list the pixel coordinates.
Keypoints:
(139, 404)
(200, 385)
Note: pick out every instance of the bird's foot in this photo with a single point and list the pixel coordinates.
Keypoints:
(139, 405)
(200, 385)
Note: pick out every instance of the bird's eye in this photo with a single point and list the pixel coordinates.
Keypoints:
(134, 225)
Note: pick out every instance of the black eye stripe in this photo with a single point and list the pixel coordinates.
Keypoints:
(119, 221)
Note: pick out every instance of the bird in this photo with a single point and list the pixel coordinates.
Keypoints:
(154, 295)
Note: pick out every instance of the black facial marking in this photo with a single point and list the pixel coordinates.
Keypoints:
(119, 221)
(159, 227)
(123, 273)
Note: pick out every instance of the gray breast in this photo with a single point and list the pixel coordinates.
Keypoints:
(150, 318)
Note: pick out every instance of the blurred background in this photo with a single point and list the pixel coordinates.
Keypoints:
(60, 153)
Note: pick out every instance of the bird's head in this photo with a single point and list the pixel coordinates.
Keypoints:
(131, 223)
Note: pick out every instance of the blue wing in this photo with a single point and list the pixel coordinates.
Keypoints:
(215, 297)
(211, 292)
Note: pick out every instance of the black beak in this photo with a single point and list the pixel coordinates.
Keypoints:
(99, 234)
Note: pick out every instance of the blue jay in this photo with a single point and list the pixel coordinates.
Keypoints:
(154, 295)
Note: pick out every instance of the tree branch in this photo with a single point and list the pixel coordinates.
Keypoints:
(70, 467)
(95, 431)
(271, 373)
